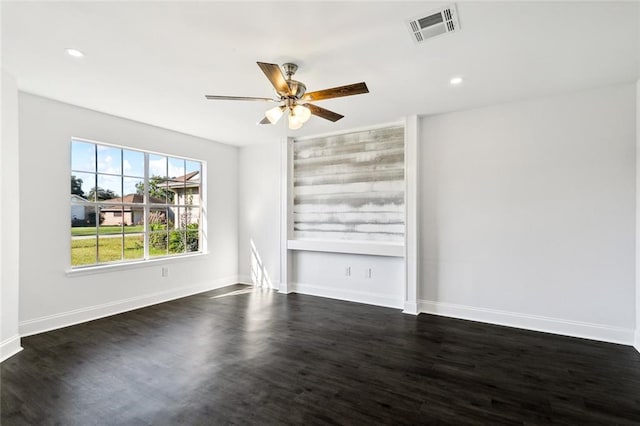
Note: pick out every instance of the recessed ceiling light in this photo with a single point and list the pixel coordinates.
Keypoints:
(75, 53)
(456, 81)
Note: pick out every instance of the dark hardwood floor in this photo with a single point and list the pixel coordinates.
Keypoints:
(240, 355)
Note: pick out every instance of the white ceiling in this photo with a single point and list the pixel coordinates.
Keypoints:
(154, 61)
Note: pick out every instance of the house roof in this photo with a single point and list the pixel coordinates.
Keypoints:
(76, 199)
(130, 199)
(189, 180)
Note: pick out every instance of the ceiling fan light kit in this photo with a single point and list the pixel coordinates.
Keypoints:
(293, 97)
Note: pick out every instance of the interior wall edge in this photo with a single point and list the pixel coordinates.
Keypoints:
(245, 279)
(559, 326)
(66, 319)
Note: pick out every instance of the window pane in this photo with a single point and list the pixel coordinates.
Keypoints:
(109, 160)
(157, 179)
(109, 248)
(85, 220)
(133, 186)
(158, 243)
(176, 181)
(192, 166)
(83, 251)
(157, 166)
(83, 156)
(109, 187)
(133, 163)
(133, 219)
(191, 217)
(176, 168)
(158, 219)
(187, 217)
(177, 241)
(191, 196)
(111, 220)
(81, 184)
(134, 246)
(193, 240)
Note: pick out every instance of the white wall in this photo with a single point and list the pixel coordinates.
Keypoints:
(528, 214)
(49, 297)
(9, 220)
(259, 213)
(324, 274)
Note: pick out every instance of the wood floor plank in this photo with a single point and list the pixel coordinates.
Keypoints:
(240, 355)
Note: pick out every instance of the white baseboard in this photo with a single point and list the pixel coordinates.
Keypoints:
(411, 308)
(348, 295)
(9, 347)
(65, 319)
(530, 322)
(637, 342)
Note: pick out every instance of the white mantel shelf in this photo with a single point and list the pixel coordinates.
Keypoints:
(351, 247)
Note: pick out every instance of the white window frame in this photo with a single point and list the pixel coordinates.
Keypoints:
(147, 207)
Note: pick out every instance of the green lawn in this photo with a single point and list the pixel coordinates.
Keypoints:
(83, 251)
(81, 231)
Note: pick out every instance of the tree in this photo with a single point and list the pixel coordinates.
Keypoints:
(101, 194)
(156, 190)
(76, 186)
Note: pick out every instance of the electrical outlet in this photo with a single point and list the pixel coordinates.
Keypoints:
(165, 271)
(347, 271)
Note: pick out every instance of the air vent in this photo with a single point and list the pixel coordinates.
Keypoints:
(433, 24)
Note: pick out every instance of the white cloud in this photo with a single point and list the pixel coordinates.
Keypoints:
(158, 167)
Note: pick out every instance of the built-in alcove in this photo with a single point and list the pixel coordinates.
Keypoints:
(346, 198)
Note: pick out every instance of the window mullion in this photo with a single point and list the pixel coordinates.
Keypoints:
(146, 206)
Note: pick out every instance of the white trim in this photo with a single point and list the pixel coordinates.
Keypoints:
(530, 322)
(398, 123)
(286, 207)
(120, 266)
(9, 347)
(411, 208)
(77, 316)
(348, 295)
(411, 308)
(352, 247)
(637, 343)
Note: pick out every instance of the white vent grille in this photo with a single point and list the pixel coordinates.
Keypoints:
(433, 24)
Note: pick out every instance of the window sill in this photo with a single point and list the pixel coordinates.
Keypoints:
(349, 247)
(100, 269)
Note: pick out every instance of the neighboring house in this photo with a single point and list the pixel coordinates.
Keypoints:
(125, 214)
(187, 190)
(184, 187)
(79, 207)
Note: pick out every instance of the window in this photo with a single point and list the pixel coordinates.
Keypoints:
(131, 205)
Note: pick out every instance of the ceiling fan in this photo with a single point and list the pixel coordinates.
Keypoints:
(293, 97)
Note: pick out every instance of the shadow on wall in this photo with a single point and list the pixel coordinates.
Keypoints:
(259, 275)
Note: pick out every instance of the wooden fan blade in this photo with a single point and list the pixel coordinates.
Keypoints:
(324, 113)
(274, 74)
(239, 98)
(264, 121)
(337, 92)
